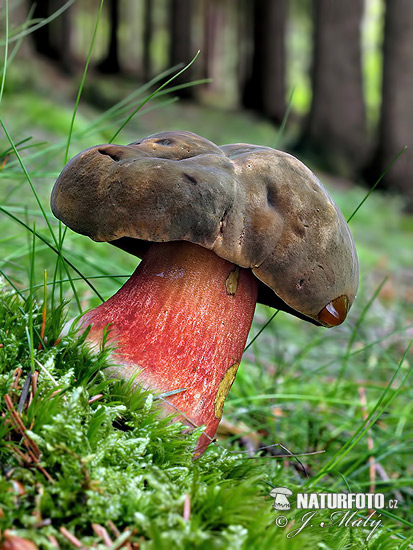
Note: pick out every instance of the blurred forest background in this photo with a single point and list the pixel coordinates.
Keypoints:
(341, 71)
(330, 81)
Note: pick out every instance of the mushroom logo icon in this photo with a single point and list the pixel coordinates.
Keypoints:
(281, 494)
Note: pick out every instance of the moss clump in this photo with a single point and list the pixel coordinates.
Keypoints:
(80, 453)
(71, 461)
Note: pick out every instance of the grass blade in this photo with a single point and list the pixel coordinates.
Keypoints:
(261, 330)
(284, 120)
(31, 299)
(42, 23)
(377, 182)
(354, 334)
(55, 250)
(6, 52)
(82, 82)
(27, 175)
(367, 424)
(150, 96)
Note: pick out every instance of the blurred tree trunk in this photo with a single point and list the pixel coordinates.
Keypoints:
(208, 38)
(215, 22)
(336, 129)
(147, 39)
(180, 50)
(244, 35)
(396, 116)
(42, 36)
(110, 64)
(265, 86)
(54, 40)
(63, 37)
(210, 42)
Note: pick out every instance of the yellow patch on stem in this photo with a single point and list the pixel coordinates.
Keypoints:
(231, 283)
(223, 389)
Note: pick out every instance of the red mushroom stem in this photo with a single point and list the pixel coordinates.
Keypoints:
(181, 321)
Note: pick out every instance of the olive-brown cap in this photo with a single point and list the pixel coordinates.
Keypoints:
(254, 206)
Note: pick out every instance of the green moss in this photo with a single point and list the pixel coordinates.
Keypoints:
(115, 461)
(112, 460)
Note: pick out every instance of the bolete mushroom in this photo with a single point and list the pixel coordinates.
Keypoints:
(218, 228)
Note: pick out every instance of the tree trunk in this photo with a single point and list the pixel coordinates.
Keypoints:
(63, 37)
(147, 40)
(209, 39)
(396, 116)
(336, 128)
(110, 64)
(265, 87)
(180, 40)
(54, 39)
(215, 23)
(244, 34)
(42, 36)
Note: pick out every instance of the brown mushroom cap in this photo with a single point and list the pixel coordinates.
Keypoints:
(254, 206)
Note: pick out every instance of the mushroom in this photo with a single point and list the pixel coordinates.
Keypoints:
(218, 228)
(280, 495)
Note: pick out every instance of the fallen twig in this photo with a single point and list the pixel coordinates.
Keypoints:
(71, 538)
(187, 507)
(17, 374)
(33, 451)
(101, 532)
(95, 398)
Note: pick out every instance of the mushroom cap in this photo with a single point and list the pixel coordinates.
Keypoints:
(254, 206)
(280, 491)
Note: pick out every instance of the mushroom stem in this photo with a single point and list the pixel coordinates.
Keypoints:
(181, 321)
